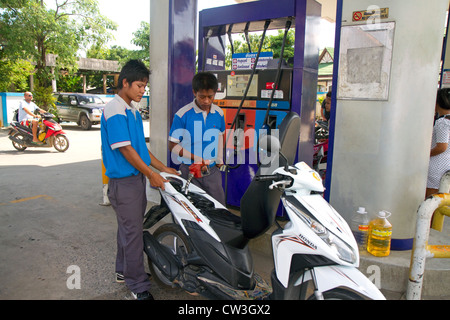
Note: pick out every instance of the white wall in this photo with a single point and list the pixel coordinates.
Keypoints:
(12, 103)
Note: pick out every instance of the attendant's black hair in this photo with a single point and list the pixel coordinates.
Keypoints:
(204, 81)
(133, 70)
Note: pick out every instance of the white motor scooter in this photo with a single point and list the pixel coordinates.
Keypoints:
(205, 248)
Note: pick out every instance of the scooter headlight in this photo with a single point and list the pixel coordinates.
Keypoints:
(342, 250)
(316, 226)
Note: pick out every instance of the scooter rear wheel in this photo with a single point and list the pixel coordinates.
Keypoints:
(171, 236)
(17, 146)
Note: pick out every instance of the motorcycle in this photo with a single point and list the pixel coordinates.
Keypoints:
(49, 132)
(321, 131)
(144, 113)
(320, 158)
(204, 249)
(321, 148)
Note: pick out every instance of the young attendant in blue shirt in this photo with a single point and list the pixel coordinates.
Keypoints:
(127, 160)
(196, 136)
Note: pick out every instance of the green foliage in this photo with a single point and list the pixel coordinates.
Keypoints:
(14, 75)
(31, 31)
(276, 42)
(117, 53)
(69, 83)
(121, 54)
(43, 97)
(271, 43)
(142, 39)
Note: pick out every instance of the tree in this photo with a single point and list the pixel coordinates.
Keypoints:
(31, 31)
(14, 75)
(100, 51)
(276, 41)
(121, 54)
(117, 53)
(142, 39)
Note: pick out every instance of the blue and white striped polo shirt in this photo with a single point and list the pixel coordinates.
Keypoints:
(198, 131)
(121, 125)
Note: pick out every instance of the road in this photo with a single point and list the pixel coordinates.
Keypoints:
(51, 220)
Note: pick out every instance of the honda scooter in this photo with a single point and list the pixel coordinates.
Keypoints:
(204, 249)
(49, 132)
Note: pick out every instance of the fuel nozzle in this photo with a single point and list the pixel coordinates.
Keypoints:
(195, 171)
(186, 187)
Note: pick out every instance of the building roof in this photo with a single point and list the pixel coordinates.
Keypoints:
(325, 69)
(327, 55)
(326, 61)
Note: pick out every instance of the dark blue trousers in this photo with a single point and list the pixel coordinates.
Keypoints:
(129, 200)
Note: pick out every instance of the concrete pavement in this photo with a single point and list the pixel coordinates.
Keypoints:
(50, 220)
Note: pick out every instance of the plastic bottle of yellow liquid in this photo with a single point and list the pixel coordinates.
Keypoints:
(380, 232)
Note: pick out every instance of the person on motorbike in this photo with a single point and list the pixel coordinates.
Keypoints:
(196, 136)
(27, 117)
(127, 159)
(326, 107)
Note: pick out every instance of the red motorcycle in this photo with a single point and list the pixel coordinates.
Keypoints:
(320, 158)
(49, 132)
(321, 148)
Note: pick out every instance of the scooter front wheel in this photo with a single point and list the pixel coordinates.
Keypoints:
(338, 294)
(61, 143)
(172, 237)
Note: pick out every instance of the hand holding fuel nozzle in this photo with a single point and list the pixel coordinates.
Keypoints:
(196, 170)
(199, 169)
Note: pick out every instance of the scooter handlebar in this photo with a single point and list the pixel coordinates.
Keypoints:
(274, 177)
(278, 180)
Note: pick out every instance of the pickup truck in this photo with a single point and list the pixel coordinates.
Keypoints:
(84, 109)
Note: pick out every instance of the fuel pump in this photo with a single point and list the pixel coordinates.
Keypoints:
(268, 123)
(243, 131)
(257, 100)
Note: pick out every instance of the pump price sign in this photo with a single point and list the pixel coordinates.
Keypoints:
(246, 61)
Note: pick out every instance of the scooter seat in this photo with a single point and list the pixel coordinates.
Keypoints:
(25, 128)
